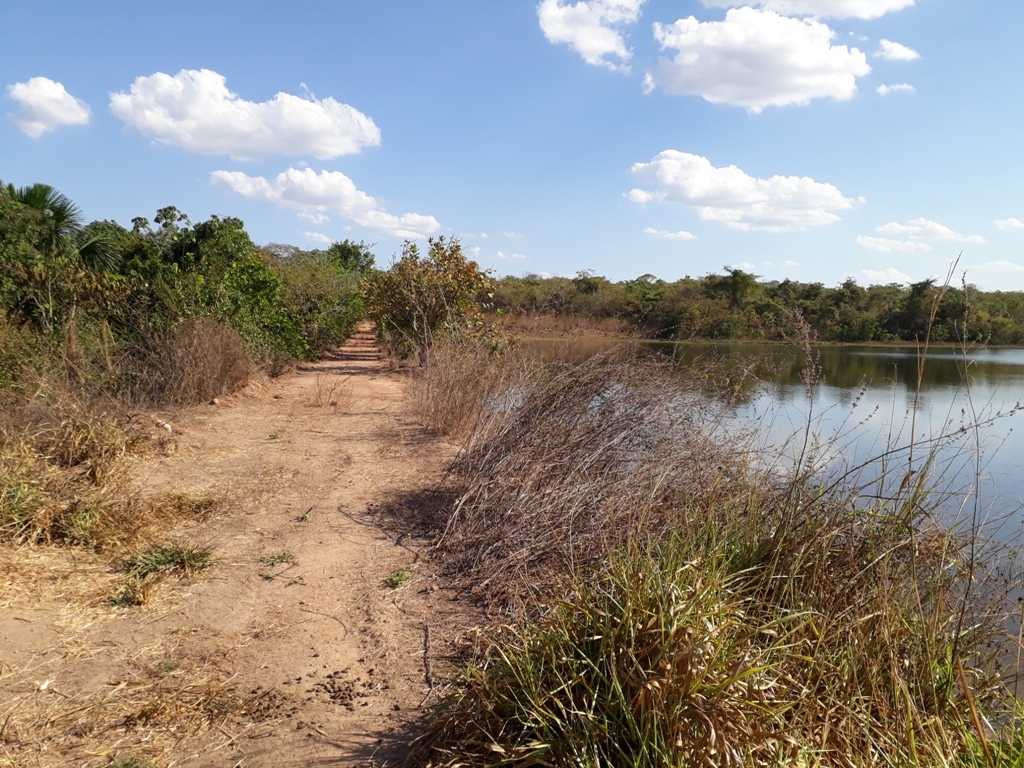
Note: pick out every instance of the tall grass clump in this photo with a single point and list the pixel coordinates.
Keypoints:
(464, 379)
(675, 603)
(568, 459)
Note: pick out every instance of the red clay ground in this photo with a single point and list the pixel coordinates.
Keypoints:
(310, 642)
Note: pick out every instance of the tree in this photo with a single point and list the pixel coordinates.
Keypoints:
(423, 298)
(63, 234)
(50, 267)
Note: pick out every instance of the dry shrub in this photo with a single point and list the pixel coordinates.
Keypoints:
(572, 459)
(204, 360)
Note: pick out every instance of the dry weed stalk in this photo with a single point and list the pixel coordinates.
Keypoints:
(331, 391)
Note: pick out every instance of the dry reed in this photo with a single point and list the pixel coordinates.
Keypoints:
(792, 623)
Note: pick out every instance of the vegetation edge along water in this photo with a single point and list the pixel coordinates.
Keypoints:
(662, 600)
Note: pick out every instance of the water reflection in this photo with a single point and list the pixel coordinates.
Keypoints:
(867, 404)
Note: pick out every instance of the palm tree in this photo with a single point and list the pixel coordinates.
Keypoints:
(64, 229)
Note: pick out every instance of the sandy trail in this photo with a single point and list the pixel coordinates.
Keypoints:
(294, 649)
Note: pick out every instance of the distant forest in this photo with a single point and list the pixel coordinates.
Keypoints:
(738, 305)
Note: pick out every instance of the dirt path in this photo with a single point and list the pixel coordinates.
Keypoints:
(310, 642)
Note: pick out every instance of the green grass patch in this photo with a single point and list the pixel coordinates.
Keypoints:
(147, 568)
(399, 577)
(279, 558)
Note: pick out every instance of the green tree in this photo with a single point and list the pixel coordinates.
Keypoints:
(51, 267)
(423, 298)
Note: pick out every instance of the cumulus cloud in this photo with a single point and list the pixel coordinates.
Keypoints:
(195, 110)
(664, 234)
(885, 276)
(744, 265)
(501, 256)
(591, 28)
(885, 90)
(732, 197)
(790, 263)
(888, 245)
(835, 9)
(923, 229)
(891, 51)
(45, 105)
(318, 237)
(1010, 223)
(755, 59)
(512, 235)
(304, 190)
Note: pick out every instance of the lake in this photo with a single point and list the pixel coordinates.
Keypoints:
(863, 408)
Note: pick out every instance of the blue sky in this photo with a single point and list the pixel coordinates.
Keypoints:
(809, 139)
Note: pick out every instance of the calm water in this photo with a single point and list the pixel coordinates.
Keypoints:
(863, 407)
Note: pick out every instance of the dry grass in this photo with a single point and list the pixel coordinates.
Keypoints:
(567, 460)
(565, 325)
(451, 394)
(684, 607)
(192, 363)
(159, 713)
(203, 360)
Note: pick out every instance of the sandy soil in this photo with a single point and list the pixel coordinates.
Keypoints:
(314, 640)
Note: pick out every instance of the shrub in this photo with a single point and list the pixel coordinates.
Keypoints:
(420, 300)
(203, 360)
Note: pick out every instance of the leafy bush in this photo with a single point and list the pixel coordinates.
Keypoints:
(420, 300)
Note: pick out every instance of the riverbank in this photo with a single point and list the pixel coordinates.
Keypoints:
(315, 637)
(679, 600)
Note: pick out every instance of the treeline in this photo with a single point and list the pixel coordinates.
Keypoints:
(146, 312)
(737, 305)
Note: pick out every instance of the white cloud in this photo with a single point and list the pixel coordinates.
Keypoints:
(318, 237)
(313, 217)
(500, 256)
(664, 234)
(640, 196)
(329, 191)
(885, 90)
(473, 250)
(923, 229)
(1003, 266)
(885, 276)
(756, 59)
(195, 110)
(589, 27)
(790, 263)
(45, 105)
(891, 51)
(512, 235)
(730, 196)
(835, 9)
(888, 245)
(1010, 223)
(744, 265)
